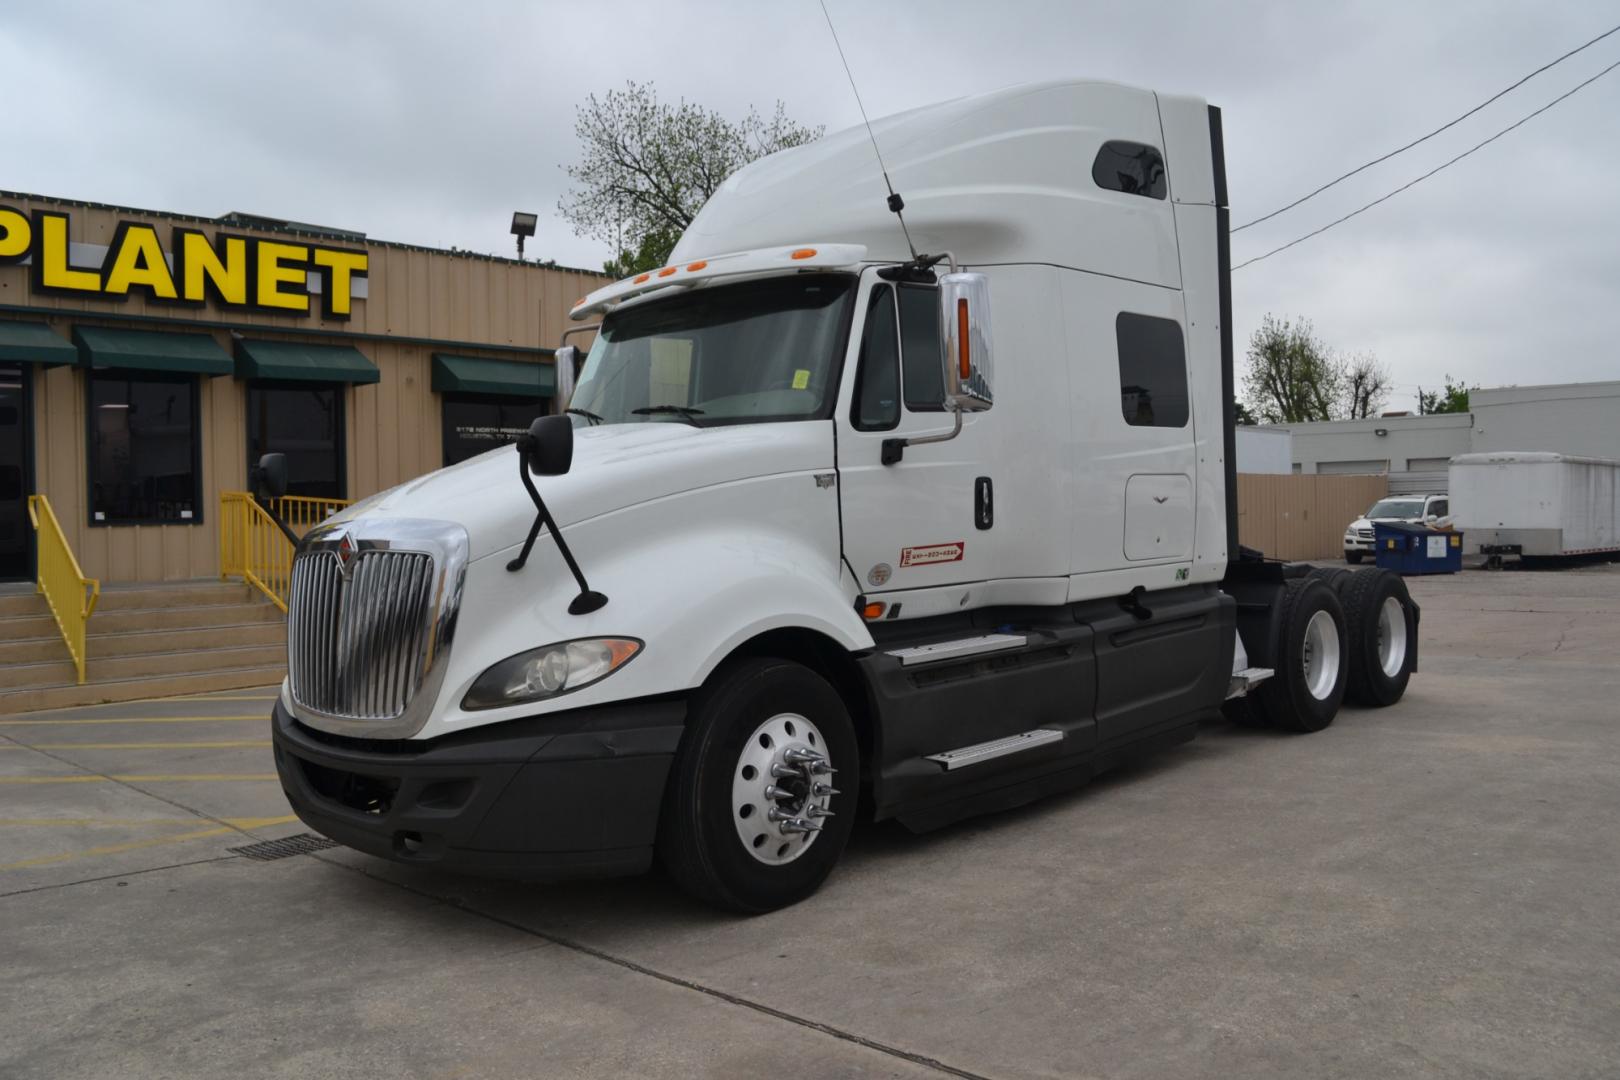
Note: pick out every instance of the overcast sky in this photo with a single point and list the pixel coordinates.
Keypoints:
(432, 123)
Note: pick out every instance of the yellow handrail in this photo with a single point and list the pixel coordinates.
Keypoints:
(72, 596)
(253, 548)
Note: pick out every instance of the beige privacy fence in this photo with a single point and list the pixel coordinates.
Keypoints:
(1302, 516)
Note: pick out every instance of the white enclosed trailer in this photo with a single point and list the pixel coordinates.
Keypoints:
(850, 542)
(1536, 504)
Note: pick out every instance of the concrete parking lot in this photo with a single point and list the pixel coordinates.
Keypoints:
(1428, 890)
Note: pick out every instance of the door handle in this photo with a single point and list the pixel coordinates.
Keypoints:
(984, 507)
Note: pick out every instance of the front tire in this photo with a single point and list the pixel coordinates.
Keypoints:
(733, 833)
(1352, 557)
(1311, 661)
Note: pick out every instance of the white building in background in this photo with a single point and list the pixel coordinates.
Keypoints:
(1570, 418)
(1264, 450)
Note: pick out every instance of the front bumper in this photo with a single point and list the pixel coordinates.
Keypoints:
(1358, 543)
(572, 794)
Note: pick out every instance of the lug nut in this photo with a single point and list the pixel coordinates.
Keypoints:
(814, 811)
(786, 772)
(774, 792)
(798, 755)
(819, 789)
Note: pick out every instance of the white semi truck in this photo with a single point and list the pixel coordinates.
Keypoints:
(831, 527)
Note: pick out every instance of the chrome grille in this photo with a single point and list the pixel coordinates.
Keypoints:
(1365, 534)
(359, 645)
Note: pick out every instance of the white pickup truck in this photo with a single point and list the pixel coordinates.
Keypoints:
(817, 536)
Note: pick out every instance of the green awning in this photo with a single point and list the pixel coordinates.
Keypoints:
(34, 343)
(149, 350)
(295, 361)
(475, 375)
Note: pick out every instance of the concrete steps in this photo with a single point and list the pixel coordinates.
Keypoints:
(144, 641)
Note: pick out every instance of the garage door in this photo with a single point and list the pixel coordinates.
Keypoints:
(1427, 464)
(1348, 468)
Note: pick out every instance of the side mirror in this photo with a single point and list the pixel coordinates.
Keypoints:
(566, 359)
(965, 310)
(548, 446)
(269, 479)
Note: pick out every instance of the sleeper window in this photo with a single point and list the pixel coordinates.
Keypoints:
(1152, 371)
(1130, 167)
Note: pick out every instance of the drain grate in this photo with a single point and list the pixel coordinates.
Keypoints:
(285, 848)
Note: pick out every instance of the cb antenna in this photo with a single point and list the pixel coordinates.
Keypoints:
(896, 203)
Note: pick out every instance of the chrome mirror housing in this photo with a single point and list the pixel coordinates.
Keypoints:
(964, 300)
(566, 358)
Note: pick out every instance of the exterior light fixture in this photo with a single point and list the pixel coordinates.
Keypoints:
(1376, 431)
(523, 225)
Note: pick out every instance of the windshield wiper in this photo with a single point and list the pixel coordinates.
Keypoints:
(685, 412)
(587, 414)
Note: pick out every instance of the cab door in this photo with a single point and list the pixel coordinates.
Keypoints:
(925, 519)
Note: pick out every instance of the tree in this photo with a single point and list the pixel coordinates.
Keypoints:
(1363, 387)
(1241, 414)
(1292, 379)
(1453, 399)
(647, 167)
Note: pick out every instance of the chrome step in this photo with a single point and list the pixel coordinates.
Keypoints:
(1246, 680)
(987, 751)
(956, 650)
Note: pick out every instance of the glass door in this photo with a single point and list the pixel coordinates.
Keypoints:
(16, 535)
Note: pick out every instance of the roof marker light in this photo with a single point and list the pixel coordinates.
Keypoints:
(580, 301)
(666, 271)
(640, 278)
(695, 267)
(804, 253)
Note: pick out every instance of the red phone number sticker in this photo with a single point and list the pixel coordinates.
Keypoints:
(933, 553)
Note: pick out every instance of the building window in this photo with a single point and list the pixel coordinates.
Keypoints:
(475, 423)
(1152, 371)
(304, 422)
(877, 380)
(1130, 167)
(15, 445)
(143, 449)
(920, 348)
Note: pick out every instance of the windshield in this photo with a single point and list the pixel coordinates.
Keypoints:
(758, 351)
(1396, 508)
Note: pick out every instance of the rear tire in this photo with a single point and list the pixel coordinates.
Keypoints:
(1381, 631)
(1352, 557)
(745, 719)
(1311, 661)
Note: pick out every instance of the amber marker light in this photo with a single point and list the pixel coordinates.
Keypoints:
(578, 302)
(874, 610)
(666, 271)
(640, 278)
(963, 347)
(693, 268)
(804, 253)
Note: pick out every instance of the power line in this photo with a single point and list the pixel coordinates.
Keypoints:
(1431, 172)
(1430, 135)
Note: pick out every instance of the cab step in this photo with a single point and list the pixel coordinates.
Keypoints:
(1246, 680)
(958, 649)
(988, 751)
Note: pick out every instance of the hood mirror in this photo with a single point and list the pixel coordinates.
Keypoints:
(547, 448)
(269, 479)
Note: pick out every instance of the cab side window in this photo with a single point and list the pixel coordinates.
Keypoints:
(1152, 371)
(1439, 507)
(920, 348)
(877, 385)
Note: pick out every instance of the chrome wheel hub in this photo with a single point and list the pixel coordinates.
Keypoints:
(1320, 657)
(1391, 636)
(781, 788)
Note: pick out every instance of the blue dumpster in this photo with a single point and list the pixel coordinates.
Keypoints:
(1413, 549)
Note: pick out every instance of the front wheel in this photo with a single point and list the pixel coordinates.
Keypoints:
(1352, 557)
(754, 818)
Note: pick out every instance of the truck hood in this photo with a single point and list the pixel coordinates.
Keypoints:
(615, 466)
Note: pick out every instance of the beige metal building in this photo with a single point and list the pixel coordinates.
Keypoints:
(147, 357)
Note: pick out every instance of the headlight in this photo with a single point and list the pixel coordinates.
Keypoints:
(549, 671)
